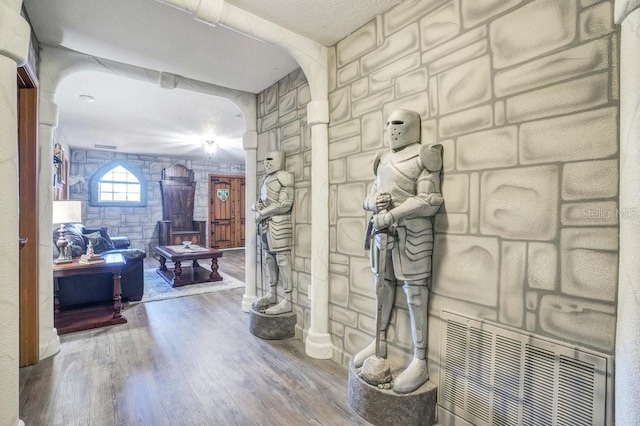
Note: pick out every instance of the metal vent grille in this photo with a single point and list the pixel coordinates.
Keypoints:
(492, 375)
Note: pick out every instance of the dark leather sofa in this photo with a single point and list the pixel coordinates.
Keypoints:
(97, 288)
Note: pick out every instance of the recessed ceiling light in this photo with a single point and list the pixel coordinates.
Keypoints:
(87, 98)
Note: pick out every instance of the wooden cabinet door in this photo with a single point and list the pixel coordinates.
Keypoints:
(226, 211)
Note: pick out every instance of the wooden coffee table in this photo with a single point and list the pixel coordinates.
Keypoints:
(68, 321)
(179, 275)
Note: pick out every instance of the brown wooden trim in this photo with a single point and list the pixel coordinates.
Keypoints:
(28, 204)
(27, 77)
(225, 176)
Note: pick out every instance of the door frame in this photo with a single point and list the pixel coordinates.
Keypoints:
(29, 292)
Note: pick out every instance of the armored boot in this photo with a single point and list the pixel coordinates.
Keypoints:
(284, 266)
(272, 276)
(416, 374)
(388, 298)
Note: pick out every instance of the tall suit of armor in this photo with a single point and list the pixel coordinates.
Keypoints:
(404, 197)
(273, 215)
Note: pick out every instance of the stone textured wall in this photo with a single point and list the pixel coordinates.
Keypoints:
(523, 95)
(282, 119)
(140, 223)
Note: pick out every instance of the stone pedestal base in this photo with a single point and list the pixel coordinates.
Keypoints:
(385, 407)
(272, 327)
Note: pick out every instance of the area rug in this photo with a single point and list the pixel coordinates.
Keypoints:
(156, 288)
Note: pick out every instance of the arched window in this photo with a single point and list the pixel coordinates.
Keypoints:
(117, 184)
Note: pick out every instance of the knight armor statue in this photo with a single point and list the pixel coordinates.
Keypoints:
(405, 195)
(272, 213)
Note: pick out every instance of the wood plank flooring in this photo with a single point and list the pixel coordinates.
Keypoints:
(184, 361)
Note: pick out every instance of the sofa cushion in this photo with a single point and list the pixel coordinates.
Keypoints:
(99, 242)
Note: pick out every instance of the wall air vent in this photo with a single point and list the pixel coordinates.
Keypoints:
(99, 146)
(493, 375)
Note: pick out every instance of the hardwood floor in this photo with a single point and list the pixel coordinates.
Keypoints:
(184, 361)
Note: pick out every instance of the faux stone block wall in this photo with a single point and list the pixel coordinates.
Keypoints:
(282, 126)
(523, 95)
(140, 223)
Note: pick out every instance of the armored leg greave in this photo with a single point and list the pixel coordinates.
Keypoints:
(417, 299)
(272, 271)
(284, 267)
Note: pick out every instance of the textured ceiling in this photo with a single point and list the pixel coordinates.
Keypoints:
(143, 127)
(152, 35)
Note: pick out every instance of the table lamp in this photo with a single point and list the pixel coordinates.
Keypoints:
(65, 212)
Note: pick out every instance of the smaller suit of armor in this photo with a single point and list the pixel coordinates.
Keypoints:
(272, 213)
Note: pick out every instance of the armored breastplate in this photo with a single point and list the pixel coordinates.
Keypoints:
(270, 190)
(398, 172)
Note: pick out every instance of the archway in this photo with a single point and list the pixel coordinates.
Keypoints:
(313, 60)
(56, 65)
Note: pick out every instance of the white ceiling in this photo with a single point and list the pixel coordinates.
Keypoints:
(138, 117)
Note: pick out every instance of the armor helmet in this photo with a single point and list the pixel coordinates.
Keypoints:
(402, 128)
(274, 161)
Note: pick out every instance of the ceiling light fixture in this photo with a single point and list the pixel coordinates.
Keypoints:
(210, 148)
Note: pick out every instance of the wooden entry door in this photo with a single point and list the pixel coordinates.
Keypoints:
(226, 211)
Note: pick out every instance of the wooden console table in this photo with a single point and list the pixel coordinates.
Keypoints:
(70, 320)
(195, 273)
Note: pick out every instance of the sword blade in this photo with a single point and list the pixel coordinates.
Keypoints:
(382, 265)
(259, 229)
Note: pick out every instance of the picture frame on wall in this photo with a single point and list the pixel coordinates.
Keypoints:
(60, 172)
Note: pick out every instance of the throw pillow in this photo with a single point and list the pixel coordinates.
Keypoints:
(105, 235)
(74, 237)
(100, 244)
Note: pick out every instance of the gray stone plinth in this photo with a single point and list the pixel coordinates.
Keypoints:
(385, 407)
(272, 327)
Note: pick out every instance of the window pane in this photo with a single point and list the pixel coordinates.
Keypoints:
(106, 196)
(119, 185)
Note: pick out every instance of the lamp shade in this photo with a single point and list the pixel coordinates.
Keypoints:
(67, 212)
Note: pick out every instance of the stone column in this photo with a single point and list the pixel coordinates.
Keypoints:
(250, 144)
(627, 364)
(14, 48)
(318, 343)
(48, 117)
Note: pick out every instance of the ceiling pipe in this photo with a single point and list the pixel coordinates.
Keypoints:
(205, 11)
